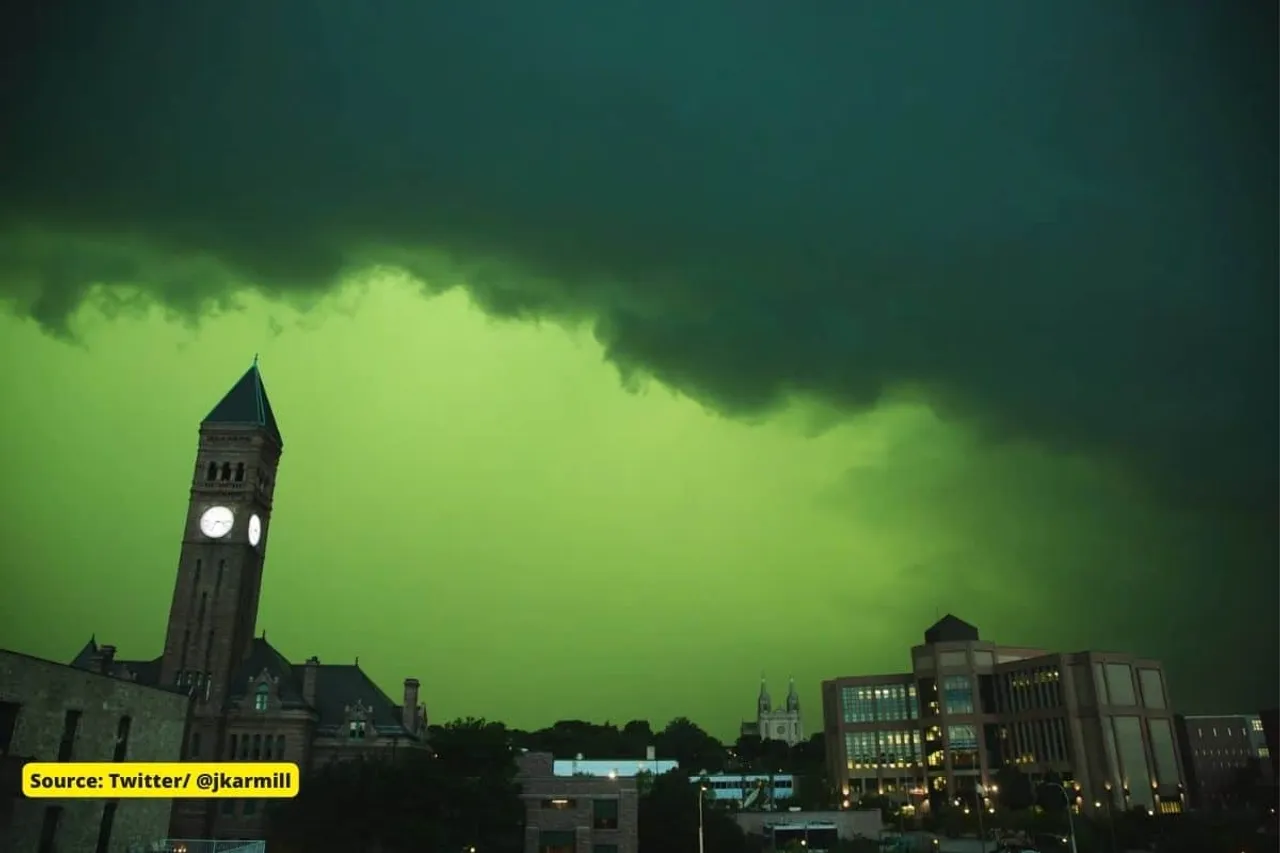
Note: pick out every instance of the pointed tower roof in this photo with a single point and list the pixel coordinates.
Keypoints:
(793, 698)
(950, 629)
(246, 404)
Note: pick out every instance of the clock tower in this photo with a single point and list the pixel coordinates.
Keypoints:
(224, 540)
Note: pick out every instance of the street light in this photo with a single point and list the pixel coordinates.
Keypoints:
(982, 806)
(1070, 801)
(702, 792)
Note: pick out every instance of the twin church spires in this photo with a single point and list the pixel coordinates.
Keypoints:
(766, 704)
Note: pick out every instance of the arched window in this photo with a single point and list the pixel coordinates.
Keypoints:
(260, 697)
(239, 472)
(226, 470)
(213, 471)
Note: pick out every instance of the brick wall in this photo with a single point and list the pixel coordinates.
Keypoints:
(539, 785)
(45, 691)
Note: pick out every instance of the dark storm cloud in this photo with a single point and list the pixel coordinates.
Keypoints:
(1058, 216)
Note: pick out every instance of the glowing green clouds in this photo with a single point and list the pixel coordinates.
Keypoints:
(480, 504)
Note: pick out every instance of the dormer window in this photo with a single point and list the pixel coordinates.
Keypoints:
(260, 697)
(356, 730)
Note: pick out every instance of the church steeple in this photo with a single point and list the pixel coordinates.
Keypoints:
(764, 703)
(793, 698)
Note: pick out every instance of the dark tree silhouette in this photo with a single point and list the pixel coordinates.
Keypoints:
(466, 796)
(1015, 791)
(669, 818)
(691, 747)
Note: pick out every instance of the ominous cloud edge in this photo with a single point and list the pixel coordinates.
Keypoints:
(1060, 214)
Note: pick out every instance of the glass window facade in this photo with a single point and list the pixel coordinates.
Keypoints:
(928, 692)
(1120, 684)
(1152, 688)
(1099, 684)
(963, 741)
(879, 703)
(1163, 751)
(859, 704)
(957, 694)
(1133, 760)
(864, 750)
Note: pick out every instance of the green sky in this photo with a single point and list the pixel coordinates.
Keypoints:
(482, 505)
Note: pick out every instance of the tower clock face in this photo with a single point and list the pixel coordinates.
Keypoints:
(217, 522)
(255, 530)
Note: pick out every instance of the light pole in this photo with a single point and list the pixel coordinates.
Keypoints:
(982, 806)
(702, 792)
(1111, 817)
(1071, 824)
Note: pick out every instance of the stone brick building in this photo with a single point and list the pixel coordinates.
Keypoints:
(53, 712)
(577, 813)
(250, 702)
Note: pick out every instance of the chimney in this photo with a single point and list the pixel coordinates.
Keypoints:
(106, 659)
(409, 713)
(309, 673)
(650, 753)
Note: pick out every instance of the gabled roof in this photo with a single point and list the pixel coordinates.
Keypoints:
(341, 685)
(263, 656)
(84, 660)
(338, 686)
(139, 671)
(246, 404)
(951, 629)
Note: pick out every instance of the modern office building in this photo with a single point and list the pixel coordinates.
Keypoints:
(53, 712)
(1271, 737)
(576, 806)
(967, 707)
(1225, 758)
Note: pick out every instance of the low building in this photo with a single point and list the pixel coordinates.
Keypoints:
(53, 712)
(1098, 720)
(815, 830)
(1226, 759)
(752, 791)
(569, 808)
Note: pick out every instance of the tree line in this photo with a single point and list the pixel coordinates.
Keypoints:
(464, 793)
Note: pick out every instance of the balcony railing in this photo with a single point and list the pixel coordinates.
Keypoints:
(204, 845)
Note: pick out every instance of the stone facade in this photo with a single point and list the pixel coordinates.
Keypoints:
(570, 814)
(118, 721)
(249, 702)
(783, 723)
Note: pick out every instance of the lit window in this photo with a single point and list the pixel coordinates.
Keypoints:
(260, 697)
(1255, 724)
(356, 730)
(1264, 752)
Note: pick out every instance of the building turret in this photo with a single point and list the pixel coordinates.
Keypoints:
(793, 698)
(764, 704)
